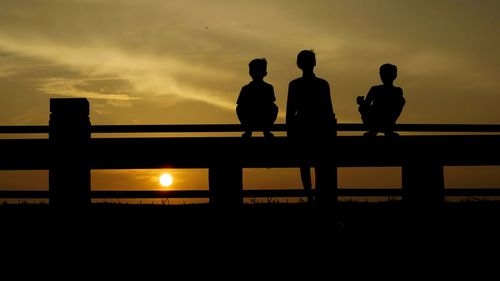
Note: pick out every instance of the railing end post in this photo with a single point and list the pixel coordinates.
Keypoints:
(69, 138)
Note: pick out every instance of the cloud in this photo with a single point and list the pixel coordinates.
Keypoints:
(69, 87)
(147, 75)
(197, 51)
(6, 71)
(162, 49)
(437, 63)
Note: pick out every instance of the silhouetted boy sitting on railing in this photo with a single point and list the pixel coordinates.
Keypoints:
(383, 104)
(256, 108)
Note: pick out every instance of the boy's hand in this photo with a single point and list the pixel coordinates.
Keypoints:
(360, 100)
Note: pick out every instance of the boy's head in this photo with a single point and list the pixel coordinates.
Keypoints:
(258, 68)
(306, 60)
(388, 73)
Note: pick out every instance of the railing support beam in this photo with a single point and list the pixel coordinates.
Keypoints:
(326, 184)
(226, 185)
(423, 183)
(69, 137)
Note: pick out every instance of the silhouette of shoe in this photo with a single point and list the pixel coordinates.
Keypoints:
(391, 134)
(268, 134)
(370, 134)
(246, 135)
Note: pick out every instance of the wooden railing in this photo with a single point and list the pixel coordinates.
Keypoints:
(70, 154)
(227, 128)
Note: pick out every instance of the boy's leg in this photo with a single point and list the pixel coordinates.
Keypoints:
(241, 112)
(268, 118)
(370, 121)
(326, 183)
(247, 134)
(391, 118)
(268, 134)
(389, 122)
(245, 118)
(305, 176)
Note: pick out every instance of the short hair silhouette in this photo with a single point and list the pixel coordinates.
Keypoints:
(306, 59)
(258, 68)
(383, 104)
(388, 73)
(255, 108)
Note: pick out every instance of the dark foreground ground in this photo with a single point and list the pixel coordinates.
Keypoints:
(268, 240)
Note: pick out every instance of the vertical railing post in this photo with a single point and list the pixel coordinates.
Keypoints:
(326, 184)
(226, 185)
(423, 183)
(69, 137)
(326, 172)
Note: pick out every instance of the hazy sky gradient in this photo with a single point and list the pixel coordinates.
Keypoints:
(185, 61)
(172, 62)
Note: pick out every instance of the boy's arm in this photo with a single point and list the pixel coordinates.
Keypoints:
(291, 106)
(403, 100)
(330, 113)
(364, 104)
(369, 97)
(241, 96)
(271, 93)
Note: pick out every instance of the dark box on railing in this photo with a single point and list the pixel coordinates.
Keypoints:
(70, 106)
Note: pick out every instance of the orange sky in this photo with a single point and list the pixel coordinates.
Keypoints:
(182, 61)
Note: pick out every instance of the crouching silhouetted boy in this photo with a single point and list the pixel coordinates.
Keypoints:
(255, 106)
(383, 104)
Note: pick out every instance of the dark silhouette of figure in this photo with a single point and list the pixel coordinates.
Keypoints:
(383, 104)
(310, 120)
(255, 106)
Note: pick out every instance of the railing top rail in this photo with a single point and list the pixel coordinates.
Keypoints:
(36, 129)
(227, 128)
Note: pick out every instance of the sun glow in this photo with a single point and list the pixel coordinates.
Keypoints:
(166, 180)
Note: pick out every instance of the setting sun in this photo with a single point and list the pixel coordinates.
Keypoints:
(166, 180)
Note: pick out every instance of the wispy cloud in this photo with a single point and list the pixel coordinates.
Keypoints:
(174, 50)
(6, 70)
(69, 87)
(147, 74)
(197, 51)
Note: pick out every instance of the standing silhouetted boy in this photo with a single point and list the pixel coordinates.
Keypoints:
(311, 124)
(383, 104)
(256, 109)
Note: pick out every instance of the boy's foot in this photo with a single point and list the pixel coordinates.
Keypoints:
(391, 134)
(370, 134)
(246, 135)
(268, 134)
